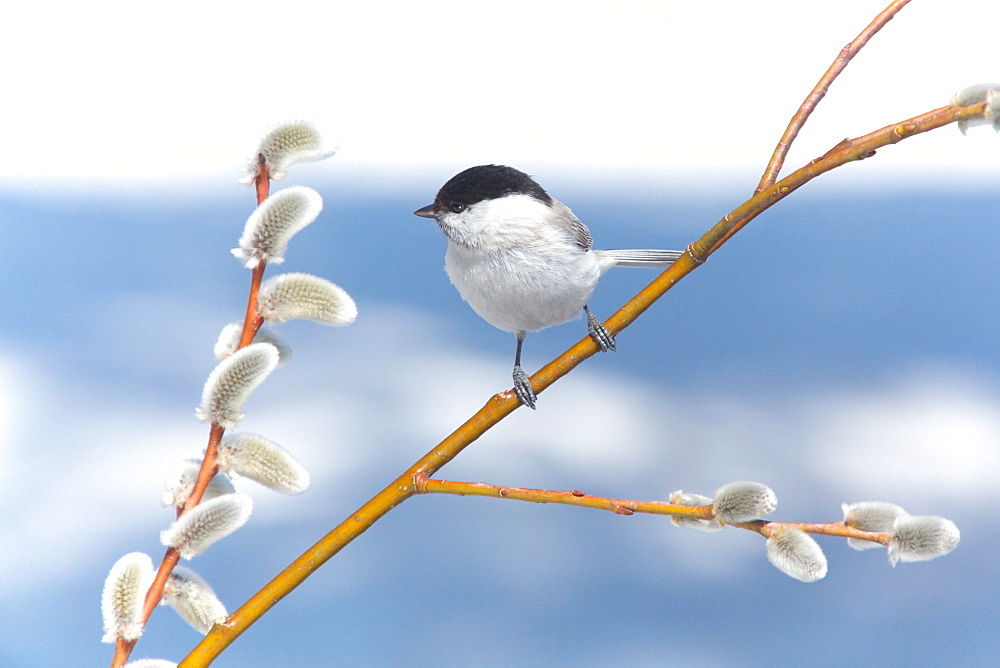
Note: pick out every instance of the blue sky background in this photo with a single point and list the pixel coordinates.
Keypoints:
(841, 348)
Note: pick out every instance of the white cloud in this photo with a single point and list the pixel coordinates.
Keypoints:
(94, 476)
(929, 436)
(19, 409)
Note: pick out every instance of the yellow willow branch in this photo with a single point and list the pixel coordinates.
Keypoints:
(819, 92)
(846, 151)
(574, 497)
(501, 405)
(628, 507)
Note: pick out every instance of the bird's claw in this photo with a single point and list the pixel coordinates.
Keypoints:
(601, 336)
(522, 387)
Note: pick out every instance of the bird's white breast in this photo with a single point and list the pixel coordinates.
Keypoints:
(523, 287)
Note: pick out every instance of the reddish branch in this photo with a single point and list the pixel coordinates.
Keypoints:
(209, 469)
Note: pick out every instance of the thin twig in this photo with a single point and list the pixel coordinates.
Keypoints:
(501, 405)
(846, 151)
(819, 92)
(252, 320)
(425, 485)
(837, 529)
(628, 507)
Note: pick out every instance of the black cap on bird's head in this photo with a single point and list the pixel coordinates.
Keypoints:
(477, 184)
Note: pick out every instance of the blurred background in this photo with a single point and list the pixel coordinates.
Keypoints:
(841, 348)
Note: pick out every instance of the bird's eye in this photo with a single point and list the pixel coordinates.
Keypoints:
(456, 207)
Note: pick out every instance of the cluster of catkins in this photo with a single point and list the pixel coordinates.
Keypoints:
(222, 509)
(795, 553)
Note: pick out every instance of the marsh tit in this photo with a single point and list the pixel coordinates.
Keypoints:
(521, 259)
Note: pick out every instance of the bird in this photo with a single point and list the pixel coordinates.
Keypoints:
(521, 259)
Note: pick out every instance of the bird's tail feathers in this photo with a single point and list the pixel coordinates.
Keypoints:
(641, 257)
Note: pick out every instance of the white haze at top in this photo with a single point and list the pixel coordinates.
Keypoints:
(108, 91)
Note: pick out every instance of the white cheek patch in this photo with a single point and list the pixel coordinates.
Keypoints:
(502, 222)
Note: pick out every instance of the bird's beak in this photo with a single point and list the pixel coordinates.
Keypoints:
(426, 212)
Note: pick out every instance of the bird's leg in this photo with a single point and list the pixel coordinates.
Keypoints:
(522, 384)
(601, 336)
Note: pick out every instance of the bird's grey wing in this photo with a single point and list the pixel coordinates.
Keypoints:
(639, 257)
(566, 220)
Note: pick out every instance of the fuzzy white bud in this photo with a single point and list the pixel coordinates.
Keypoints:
(180, 479)
(151, 663)
(191, 597)
(877, 516)
(743, 501)
(123, 596)
(680, 498)
(796, 554)
(229, 341)
(289, 296)
(206, 523)
(921, 538)
(989, 93)
(263, 461)
(285, 144)
(232, 381)
(270, 227)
